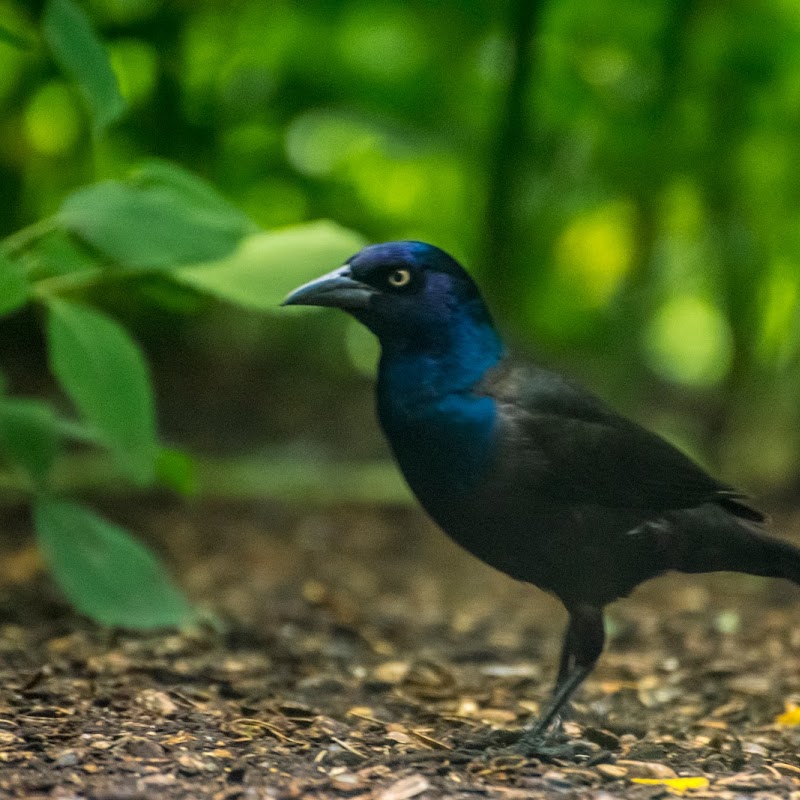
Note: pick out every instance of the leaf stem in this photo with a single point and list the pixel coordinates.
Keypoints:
(64, 283)
(21, 240)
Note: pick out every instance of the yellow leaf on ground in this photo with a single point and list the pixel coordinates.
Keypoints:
(790, 717)
(676, 784)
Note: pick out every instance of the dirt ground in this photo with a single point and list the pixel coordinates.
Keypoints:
(363, 653)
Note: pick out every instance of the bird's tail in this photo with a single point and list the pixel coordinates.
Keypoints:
(735, 545)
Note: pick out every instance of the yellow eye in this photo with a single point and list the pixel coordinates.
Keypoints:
(399, 278)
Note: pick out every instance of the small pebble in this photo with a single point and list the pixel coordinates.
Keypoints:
(611, 771)
(157, 702)
(647, 769)
(192, 765)
(755, 749)
(346, 782)
(140, 747)
(69, 758)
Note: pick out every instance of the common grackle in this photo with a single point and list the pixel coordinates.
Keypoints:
(527, 471)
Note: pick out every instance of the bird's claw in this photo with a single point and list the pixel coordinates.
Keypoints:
(531, 743)
(494, 740)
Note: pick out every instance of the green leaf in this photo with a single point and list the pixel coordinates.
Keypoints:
(28, 436)
(267, 266)
(14, 286)
(78, 432)
(170, 219)
(194, 191)
(14, 39)
(177, 470)
(104, 572)
(83, 57)
(59, 253)
(105, 374)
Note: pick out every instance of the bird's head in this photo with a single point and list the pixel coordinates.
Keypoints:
(407, 293)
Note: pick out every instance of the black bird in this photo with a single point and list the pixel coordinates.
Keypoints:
(526, 470)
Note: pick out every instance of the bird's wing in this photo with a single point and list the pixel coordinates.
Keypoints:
(570, 448)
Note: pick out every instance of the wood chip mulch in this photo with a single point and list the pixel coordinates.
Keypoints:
(363, 658)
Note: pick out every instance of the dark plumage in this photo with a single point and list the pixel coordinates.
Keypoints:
(529, 472)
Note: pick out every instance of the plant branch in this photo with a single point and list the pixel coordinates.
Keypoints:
(24, 238)
(68, 282)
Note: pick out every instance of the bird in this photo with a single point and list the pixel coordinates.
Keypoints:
(526, 469)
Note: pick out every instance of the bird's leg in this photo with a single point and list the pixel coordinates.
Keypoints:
(583, 644)
(561, 694)
(504, 738)
(566, 661)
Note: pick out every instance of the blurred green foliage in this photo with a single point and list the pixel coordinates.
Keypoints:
(620, 175)
(160, 222)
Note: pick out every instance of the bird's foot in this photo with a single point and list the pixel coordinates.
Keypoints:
(496, 741)
(528, 743)
(538, 744)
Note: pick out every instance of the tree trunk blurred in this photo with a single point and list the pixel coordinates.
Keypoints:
(507, 160)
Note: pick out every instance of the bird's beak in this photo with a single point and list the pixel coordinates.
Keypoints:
(337, 288)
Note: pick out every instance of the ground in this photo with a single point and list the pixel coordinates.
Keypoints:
(363, 653)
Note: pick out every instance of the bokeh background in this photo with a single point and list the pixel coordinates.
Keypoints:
(621, 177)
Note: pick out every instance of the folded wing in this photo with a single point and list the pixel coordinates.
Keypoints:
(571, 449)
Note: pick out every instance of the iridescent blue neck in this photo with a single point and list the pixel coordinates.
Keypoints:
(448, 361)
(440, 431)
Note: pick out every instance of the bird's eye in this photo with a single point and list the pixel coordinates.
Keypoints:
(399, 278)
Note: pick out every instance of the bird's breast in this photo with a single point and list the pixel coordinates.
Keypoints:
(444, 444)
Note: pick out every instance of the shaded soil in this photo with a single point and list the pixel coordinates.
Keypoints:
(363, 654)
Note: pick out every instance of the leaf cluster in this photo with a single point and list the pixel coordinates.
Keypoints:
(159, 220)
